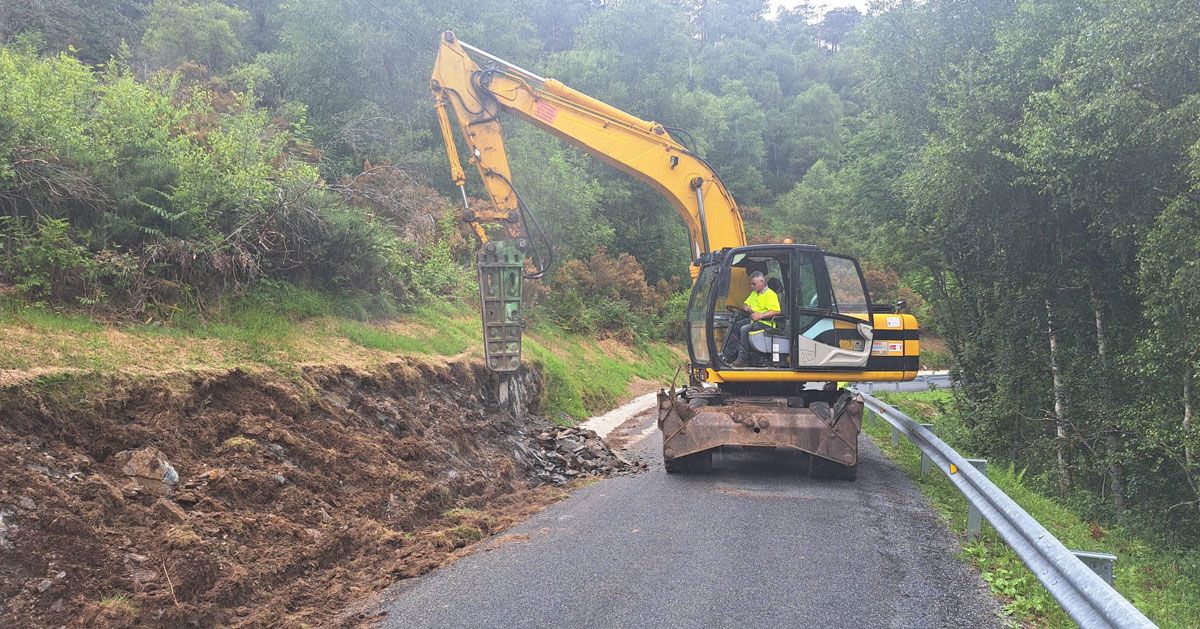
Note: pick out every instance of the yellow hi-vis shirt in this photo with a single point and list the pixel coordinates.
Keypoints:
(765, 301)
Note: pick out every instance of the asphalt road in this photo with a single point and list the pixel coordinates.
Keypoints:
(923, 382)
(754, 543)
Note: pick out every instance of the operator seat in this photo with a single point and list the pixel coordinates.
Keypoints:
(773, 340)
(776, 285)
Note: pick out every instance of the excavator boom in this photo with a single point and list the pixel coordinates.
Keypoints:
(643, 149)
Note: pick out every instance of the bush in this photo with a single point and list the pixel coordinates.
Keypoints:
(148, 196)
(610, 295)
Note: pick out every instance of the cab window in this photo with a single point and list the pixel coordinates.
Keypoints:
(806, 284)
(702, 295)
(773, 269)
(849, 296)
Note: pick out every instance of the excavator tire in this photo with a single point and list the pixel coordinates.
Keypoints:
(698, 463)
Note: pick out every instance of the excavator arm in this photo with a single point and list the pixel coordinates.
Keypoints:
(645, 150)
(475, 97)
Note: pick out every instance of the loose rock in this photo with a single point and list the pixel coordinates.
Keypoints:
(560, 454)
(150, 469)
(170, 510)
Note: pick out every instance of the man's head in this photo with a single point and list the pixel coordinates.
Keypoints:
(758, 282)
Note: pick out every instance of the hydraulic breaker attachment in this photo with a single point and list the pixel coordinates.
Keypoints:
(501, 268)
(824, 431)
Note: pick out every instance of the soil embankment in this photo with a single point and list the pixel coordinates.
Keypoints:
(254, 499)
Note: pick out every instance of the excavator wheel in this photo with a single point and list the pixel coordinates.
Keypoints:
(698, 463)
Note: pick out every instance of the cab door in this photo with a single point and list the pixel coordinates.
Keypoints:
(699, 316)
(832, 313)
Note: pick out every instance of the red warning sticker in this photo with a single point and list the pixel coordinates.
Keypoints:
(544, 111)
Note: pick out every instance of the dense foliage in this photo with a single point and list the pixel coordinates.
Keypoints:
(144, 196)
(1025, 173)
(1031, 168)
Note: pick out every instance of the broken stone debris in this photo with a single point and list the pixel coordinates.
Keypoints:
(149, 469)
(558, 455)
(169, 510)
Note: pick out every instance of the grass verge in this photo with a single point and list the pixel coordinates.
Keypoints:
(587, 376)
(283, 327)
(1162, 582)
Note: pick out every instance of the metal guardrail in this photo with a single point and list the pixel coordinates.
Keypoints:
(1083, 594)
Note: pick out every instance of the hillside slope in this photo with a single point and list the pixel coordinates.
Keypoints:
(271, 466)
(292, 330)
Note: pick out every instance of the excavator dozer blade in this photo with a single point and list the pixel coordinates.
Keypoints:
(832, 436)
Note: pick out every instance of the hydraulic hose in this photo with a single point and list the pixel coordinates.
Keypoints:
(541, 265)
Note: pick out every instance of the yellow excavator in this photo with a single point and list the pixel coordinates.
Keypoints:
(786, 393)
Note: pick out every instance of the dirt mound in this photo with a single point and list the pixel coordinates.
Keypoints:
(241, 499)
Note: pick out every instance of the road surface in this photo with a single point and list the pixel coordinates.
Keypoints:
(925, 380)
(754, 543)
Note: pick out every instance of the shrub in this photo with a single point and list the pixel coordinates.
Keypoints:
(41, 259)
(154, 195)
(609, 295)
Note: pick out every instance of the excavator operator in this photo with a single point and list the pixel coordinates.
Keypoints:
(762, 304)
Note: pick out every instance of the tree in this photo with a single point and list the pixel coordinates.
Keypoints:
(556, 184)
(204, 31)
(94, 29)
(1170, 281)
(836, 25)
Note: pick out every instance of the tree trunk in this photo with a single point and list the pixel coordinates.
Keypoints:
(1116, 469)
(1188, 456)
(1060, 404)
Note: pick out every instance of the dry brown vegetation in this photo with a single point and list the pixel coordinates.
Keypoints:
(291, 497)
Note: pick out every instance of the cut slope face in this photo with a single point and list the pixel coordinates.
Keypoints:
(235, 498)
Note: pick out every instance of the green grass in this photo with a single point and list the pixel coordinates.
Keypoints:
(282, 326)
(118, 603)
(1162, 583)
(582, 380)
(452, 335)
(48, 320)
(936, 360)
(369, 337)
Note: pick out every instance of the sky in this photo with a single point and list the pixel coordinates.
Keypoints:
(828, 4)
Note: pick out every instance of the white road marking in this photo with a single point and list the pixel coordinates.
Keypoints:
(604, 424)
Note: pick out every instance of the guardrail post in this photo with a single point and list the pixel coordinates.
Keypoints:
(974, 518)
(895, 436)
(926, 463)
(1100, 563)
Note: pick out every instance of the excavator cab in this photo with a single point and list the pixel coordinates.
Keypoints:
(787, 396)
(825, 323)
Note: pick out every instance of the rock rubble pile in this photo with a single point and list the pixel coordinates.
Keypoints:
(558, 455)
